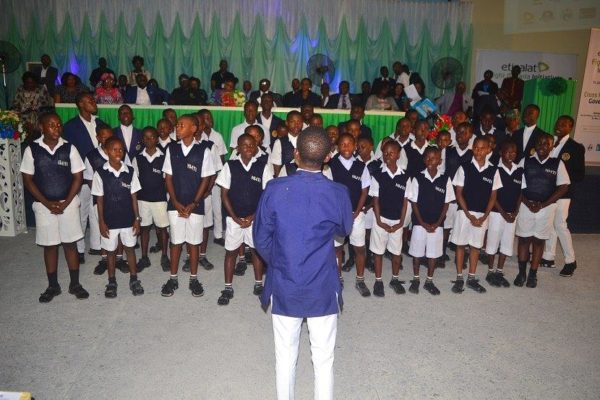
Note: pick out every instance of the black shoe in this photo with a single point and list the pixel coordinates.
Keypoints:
(501, 279)
(568, 269)
(111, 291)
(81, 258)
(169, 288)
(431, 288)
(531, 280)
(225, 296)
(362, 288)
(492, 279)
(459, 286)
(446, 257)
(451, 246)
(483, 257)
(240, 268)
(136, 288)
(143, 263)
(348, 265)
(101, 267)
(519, 280)
(378, 289)
(165, 263)
(186, 265)
(207, 265)
(196, 288)
(79, 292)
(94, 252)
(547, 263)
(122, 265)
(414, 286)
(156, 248)
(248, 254)
(258, 289)
(473, 283)
(219, 241)
(397, 286)
(50, 293)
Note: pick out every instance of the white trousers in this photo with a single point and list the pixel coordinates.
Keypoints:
(216, 209)
(85, 197)
(322, 333)
(560, 232)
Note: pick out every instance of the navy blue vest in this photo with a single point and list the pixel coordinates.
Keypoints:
(151, 179)
(95, 159)
(165, 147)
(508, 194)
(52, 174)
(478, 186)
(453, 160)
(246, 186)
(416, 164)
(540, 178)
(349, 178)
(287, 150)
(391, 194)
(291, 168)
(431, 198)
(374, 168)
(118, 207)
(187, 174)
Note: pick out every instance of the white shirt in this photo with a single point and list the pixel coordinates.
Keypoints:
(43, 72)
(379, 152)
(527, 131)
(164, 143)
(556, 151)
(412, 192)
(325, 101)
(403, 161)
(365, 178)
(148, 157)
(208, 168)
(127, 132)
(510, 171)
(562, 176)
(98, 188)
(404, 79)
(344, 100)
(142, 97)
(276, 152)
(218, 141)
(374, 188)
(224, 178)
(238, 130)
(266, 122)
(173, 136)
(235, 155)
(91, 128)
(459, 178)
(214, 152)
(28, 166)
(88, 174)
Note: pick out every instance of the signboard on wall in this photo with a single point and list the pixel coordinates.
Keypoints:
(523, 16)
(587, 129)
(533, 64)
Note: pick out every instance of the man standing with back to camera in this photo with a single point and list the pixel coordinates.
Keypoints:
(294, 228)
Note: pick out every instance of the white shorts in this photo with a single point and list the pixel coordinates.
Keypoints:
(54, 229)
(357, 236)
(408, 217)
(127, 238)
(425, 244)
(501, 234)
(370, 219)
(450, 215)
(153, 212)
(382, 240)
(185, 230)
(464, 233)
(539, 225)
(208, 212)
(235, 235)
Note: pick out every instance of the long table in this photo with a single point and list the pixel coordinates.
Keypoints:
(382, 123)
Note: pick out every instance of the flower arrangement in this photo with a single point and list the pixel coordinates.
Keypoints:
(10, 126)
(442, 123)
(232, 99)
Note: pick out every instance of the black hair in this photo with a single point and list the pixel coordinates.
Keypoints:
(30, 75)
(257, 127)
(193, 118)
(431, 149)
(368, 139)
(166, 110)
(534, 106)
(293, 113)
(245, 136)
(151, 129)
(317, 115)
(313, 146)
(443, 132)
(568, 118)
(345, 135)
(508, 143)
(44, 117)
(164, 120)
(251, 103)
(392, 143)
(125, 106)
(481, 139)
(111, 140)
(102, 126)
(465, 125)
(80, 97)
(137, 58)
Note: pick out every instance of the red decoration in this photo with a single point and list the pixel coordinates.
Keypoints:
(442, 123)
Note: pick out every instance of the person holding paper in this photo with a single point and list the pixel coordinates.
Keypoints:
(484, 93)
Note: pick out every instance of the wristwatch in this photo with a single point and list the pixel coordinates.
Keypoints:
(138, 219)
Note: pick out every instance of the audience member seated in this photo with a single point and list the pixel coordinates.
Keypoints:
(247, 89)
(513, 88)
(228, 96)
(264, 87)
(138, 69)
(181, 95)
(217, 80)
(512, 122)
(484, 93)
(455, 101)
(98, 72)
(142, 94)
(266, 118)
(69, 89)
(30, 100)
(381, 100)
(123, 85)
(400, 97)
(288, 98)
(46, 75)
(325, 97)
(162, 95)
(365, 92)
(106, 92)
(197, 92)
(384, 77)
(342, 100)
(305, 95)
(357, 113)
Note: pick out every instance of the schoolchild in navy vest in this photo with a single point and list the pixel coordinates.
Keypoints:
(246, 186)
(509, 194)
(350, 178)
(414, 156)
(187, 175)
(53, 175)
(540, 178)
(151, 178)
(431, 198)
(164, 129)
(118, 208)
(287, 150)
(455, 157)
(478, 186)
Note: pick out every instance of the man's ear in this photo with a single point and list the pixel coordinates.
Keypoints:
(327, 158)
(297, 155)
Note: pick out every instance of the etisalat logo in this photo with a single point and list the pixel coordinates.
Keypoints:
(539, 67)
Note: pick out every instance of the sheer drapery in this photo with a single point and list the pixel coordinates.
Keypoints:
(259, 38)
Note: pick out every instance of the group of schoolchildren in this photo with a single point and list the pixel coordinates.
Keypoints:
(471, 190)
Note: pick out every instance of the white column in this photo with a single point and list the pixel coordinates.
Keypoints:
(12, 200)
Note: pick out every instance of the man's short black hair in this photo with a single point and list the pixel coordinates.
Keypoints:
(257, 127)
(251, 103)
(508, 143)
(568, 118)
(390, 143)
(150, 129)
(430, 149)
(368, 139)
(166, 110)
(534, 106)
(293, 113)
(111, 140)
(81, 96)
(313, 146)
(44, 117)
(102, 126)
